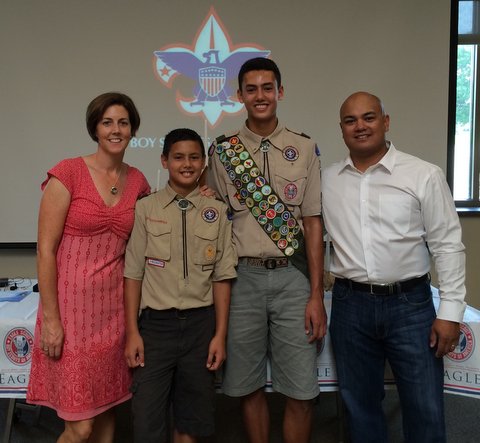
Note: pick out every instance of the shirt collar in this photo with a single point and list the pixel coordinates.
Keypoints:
(275, 138)
(169, 195)
(387, 161)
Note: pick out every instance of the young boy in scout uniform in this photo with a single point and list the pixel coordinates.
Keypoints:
(178, 266)
(270, 177)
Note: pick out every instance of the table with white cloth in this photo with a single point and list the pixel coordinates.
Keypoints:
(17, 324)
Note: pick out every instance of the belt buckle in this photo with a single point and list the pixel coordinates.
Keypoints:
(270, 263)
(389, 287)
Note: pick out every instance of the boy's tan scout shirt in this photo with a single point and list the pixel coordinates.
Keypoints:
(294, 173)
(155, 251)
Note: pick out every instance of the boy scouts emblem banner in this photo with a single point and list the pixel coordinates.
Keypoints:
(212, 62)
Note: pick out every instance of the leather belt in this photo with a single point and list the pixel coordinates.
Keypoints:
(267, 263)
(384, 289)
(162, 314)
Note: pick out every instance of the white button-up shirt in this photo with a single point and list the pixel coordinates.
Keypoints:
(386, 223)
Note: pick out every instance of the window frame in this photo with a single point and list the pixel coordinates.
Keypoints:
(471, 206)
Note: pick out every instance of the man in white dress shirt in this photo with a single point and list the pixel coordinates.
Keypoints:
(387, 213)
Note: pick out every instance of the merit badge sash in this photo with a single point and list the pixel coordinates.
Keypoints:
(264, 204)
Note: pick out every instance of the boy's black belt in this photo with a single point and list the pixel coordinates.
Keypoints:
(268, 263)
(149, 313)
(384, 289)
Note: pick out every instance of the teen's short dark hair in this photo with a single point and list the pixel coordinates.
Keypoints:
(259, 64)
(180, 135)
(100, 104)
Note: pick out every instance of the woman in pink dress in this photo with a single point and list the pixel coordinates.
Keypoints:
(86, 215)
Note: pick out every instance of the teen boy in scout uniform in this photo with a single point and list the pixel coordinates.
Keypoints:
(270, 178)
(178, 266)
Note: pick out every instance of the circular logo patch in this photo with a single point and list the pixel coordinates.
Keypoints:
(18, 346)
(210, 215)
(466, 344)
(290, 153)
(290, 191)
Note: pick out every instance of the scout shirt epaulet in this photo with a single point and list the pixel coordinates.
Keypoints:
(301, 134)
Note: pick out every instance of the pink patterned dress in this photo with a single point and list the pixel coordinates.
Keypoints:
(91, 376)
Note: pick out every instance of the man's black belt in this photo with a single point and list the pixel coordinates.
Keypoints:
(268, 263)
(384, 289)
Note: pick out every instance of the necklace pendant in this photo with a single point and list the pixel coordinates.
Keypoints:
(114, 190)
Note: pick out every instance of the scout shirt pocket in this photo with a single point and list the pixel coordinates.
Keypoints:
(206, 239)
(233, 201)
(290, 184)
(159, 237)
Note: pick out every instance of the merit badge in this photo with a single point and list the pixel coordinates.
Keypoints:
(290, 191)
(209, 252)
(237, 183)
(257, 196)
(289, 251)
(279, 207)
(259, 181)
(234, 141)
(271, 214)
(243, 193)
(286, 215)
(290, 153)
(254, 172)
(248, 163)
(245, 177)
(283, 229)
(235, 161)
(282, 243)
(268, 228)
(227, 165)
(223, 157)
(210, 215)
(243, 155)
(251, 187)
(249, 202)
(256, 211)
(272, 199)
(263, 205)
(275, 235)
(231, 175)
(219, 149)
(239, 148)
(230, 153)
(262, 219)
(277, 222)
(266, 190)
(225, 145)
(240, 169)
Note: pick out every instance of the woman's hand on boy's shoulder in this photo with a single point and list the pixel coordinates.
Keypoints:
(207, 192)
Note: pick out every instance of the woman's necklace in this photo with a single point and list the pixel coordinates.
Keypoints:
(114, 189)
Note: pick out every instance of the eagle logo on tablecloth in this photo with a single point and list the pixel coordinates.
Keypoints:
(17, 346)
(466, 344)
(212, 61)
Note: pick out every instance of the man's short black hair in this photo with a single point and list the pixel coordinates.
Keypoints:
(259, 64)
(179, 135)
